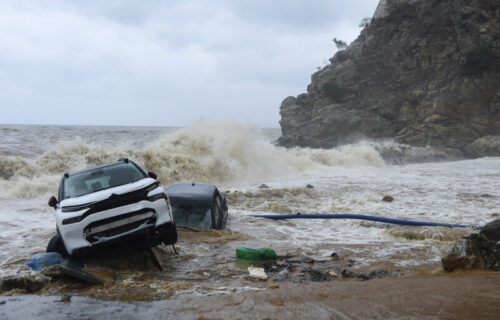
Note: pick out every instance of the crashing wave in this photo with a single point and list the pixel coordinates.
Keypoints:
(397, 153)
(218, 153)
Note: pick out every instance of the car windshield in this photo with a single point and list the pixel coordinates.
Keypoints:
(192, 215)
(101, 178)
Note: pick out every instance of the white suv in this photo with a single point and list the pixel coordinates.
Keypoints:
(108, 203)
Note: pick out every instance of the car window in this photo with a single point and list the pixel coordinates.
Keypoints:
(101, 178)
(192, 215)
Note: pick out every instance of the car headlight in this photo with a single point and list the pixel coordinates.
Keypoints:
(158, 196)
(76, 208)
(72, 220)
(152, 187)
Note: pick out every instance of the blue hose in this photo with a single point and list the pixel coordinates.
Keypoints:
(361, 217)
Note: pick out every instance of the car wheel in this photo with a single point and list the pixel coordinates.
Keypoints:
(56, 244)
(169, 234)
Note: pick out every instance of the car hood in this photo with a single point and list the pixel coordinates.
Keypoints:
(106, 193)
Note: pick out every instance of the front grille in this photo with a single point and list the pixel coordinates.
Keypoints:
(119, 200)
(119, 224)
(116, 200)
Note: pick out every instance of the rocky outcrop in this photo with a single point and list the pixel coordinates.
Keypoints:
(423, 72)
(485, 146)
(477, 251)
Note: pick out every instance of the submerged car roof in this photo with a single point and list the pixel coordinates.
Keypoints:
(191, 191)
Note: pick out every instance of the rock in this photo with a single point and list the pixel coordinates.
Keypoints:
(345, 273)
(476, 251)
(424, 73)
(388, 199)
(397, 153)
(368, 276)
(335, 256)
(257, 273)
(316, 275)
(377, 274)
(483, 147)
(309, 186)
(263, 186)
(492, 230)
(65, 298)
(460, 256)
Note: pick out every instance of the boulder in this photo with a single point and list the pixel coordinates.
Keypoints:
(388, 199)
(476, 251)
(485, 146)
(492, 230)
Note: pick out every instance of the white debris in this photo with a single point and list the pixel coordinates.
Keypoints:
(257, 273)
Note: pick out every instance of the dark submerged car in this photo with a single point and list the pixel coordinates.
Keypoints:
(197, 205)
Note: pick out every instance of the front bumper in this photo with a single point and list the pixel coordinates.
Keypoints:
(111, 225)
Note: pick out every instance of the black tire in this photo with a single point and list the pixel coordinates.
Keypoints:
(169, 233)
(56, 244)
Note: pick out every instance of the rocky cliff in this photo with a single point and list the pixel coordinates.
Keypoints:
(423, 72)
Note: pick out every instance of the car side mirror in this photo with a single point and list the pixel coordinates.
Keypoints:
(153, 175)
(53, 202)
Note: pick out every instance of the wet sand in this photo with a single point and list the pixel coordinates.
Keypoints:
(424, 295)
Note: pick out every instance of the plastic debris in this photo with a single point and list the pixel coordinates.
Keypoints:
(257, 273)
(43, 260)
(262, 254)
(74, 267)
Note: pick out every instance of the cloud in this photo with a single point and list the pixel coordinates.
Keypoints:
(163, 62)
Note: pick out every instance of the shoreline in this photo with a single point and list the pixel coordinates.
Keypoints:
(423, 294)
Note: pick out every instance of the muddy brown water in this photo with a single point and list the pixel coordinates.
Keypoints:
(463, 295)
(206, 281)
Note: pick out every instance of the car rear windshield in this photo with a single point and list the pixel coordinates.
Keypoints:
(101, 178)
(192, 215)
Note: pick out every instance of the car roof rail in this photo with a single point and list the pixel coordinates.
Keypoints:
(123, 159)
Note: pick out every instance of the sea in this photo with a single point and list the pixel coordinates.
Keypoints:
(257, 177)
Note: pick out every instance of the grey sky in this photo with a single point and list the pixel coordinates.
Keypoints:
(164, 63)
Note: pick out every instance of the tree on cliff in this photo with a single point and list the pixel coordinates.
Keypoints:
(339, 44)
(365, 22)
